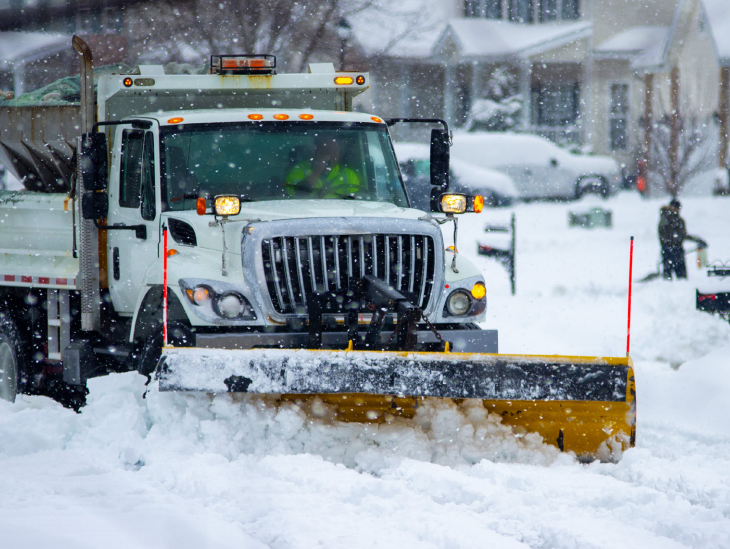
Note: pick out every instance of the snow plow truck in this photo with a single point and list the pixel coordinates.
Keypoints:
(247, 231)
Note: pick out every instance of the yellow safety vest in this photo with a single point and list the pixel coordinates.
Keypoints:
(339, 182)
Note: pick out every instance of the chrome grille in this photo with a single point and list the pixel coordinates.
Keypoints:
(295, 266)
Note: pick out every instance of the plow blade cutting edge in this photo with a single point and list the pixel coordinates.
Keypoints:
(580, 404)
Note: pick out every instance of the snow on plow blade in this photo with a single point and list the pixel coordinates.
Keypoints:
(580, 404)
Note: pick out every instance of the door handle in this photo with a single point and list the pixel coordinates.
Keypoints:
(140, 231)
(115, 264)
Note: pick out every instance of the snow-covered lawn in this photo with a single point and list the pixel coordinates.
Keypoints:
(185, 471)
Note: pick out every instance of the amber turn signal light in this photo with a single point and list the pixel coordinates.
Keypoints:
(478, 203)
(201, 207)
(478, 291)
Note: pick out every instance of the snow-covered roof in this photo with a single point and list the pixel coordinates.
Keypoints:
(495, 39)
(408, 28)
(632, 42)
(29, 46)
(718, 19)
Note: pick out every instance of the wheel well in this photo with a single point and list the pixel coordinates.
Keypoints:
(579, 187)
(149, 316)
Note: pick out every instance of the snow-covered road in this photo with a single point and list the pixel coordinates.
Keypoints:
(182, 471)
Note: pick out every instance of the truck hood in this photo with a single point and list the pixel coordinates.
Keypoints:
(274, 210)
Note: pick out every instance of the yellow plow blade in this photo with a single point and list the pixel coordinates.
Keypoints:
(585, 405)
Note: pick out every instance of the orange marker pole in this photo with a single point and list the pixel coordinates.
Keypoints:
(164, 287)
(631, 267)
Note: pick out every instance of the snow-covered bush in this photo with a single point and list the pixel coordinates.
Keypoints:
(499, 108)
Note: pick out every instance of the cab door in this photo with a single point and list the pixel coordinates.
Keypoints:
(134, 200)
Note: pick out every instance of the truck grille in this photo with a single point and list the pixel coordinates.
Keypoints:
(297, 265)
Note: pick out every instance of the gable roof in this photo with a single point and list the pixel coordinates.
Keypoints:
(632, 42)
(488, 38)
(717, 17)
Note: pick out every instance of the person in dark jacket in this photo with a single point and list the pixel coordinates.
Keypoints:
(672, 233)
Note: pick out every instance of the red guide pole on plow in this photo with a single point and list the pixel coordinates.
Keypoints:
(631, 267)
(164, 287)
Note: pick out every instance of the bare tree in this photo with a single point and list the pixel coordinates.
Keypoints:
(298, 32)
(684, 137)
(696, 149)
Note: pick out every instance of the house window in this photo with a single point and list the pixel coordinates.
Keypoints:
(521, 11)
(556, 105)
(618, 120)
(570, 10)
(547, 10)
(491, 9)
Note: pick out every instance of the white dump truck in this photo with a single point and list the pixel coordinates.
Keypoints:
(221, 161)
(294, 262)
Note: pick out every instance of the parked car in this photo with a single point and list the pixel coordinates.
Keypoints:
(539, 168)
(413, 159)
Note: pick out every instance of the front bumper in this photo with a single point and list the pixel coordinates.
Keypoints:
(460, 341)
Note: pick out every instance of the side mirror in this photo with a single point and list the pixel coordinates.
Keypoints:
(440, 155)
(94, 205)
(93, 161)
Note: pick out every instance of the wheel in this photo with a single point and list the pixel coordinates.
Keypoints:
(12, 358)
(591, 184)
(178, 335)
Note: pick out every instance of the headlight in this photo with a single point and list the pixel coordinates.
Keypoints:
(453, 203)
(227, 205)
(458, 303)
(229, 305)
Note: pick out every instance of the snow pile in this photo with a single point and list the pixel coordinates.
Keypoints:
(185, 471)
(134, 425)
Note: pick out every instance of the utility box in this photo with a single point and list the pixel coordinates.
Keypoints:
(595, 217)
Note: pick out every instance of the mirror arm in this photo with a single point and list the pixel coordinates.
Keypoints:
(136, 124)
(393, 121)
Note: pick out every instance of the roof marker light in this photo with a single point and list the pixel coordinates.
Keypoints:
(175, 120)
(256, 116)
(243, 64)
(344, 80)
(376, 119)
(306, 116)
(281, 117)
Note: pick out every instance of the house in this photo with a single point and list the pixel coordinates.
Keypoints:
(686, 87)
(573, 62)
(31, 59)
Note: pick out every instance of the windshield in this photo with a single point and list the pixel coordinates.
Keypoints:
(279, 161)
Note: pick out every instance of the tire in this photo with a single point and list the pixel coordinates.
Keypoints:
(12, 358)
(179, 335)
(601, 190)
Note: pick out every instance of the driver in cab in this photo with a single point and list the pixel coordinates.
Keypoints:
(324, 176)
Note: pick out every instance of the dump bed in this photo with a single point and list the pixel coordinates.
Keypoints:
(37, 241)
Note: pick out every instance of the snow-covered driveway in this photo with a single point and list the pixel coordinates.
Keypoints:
(191, 472)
